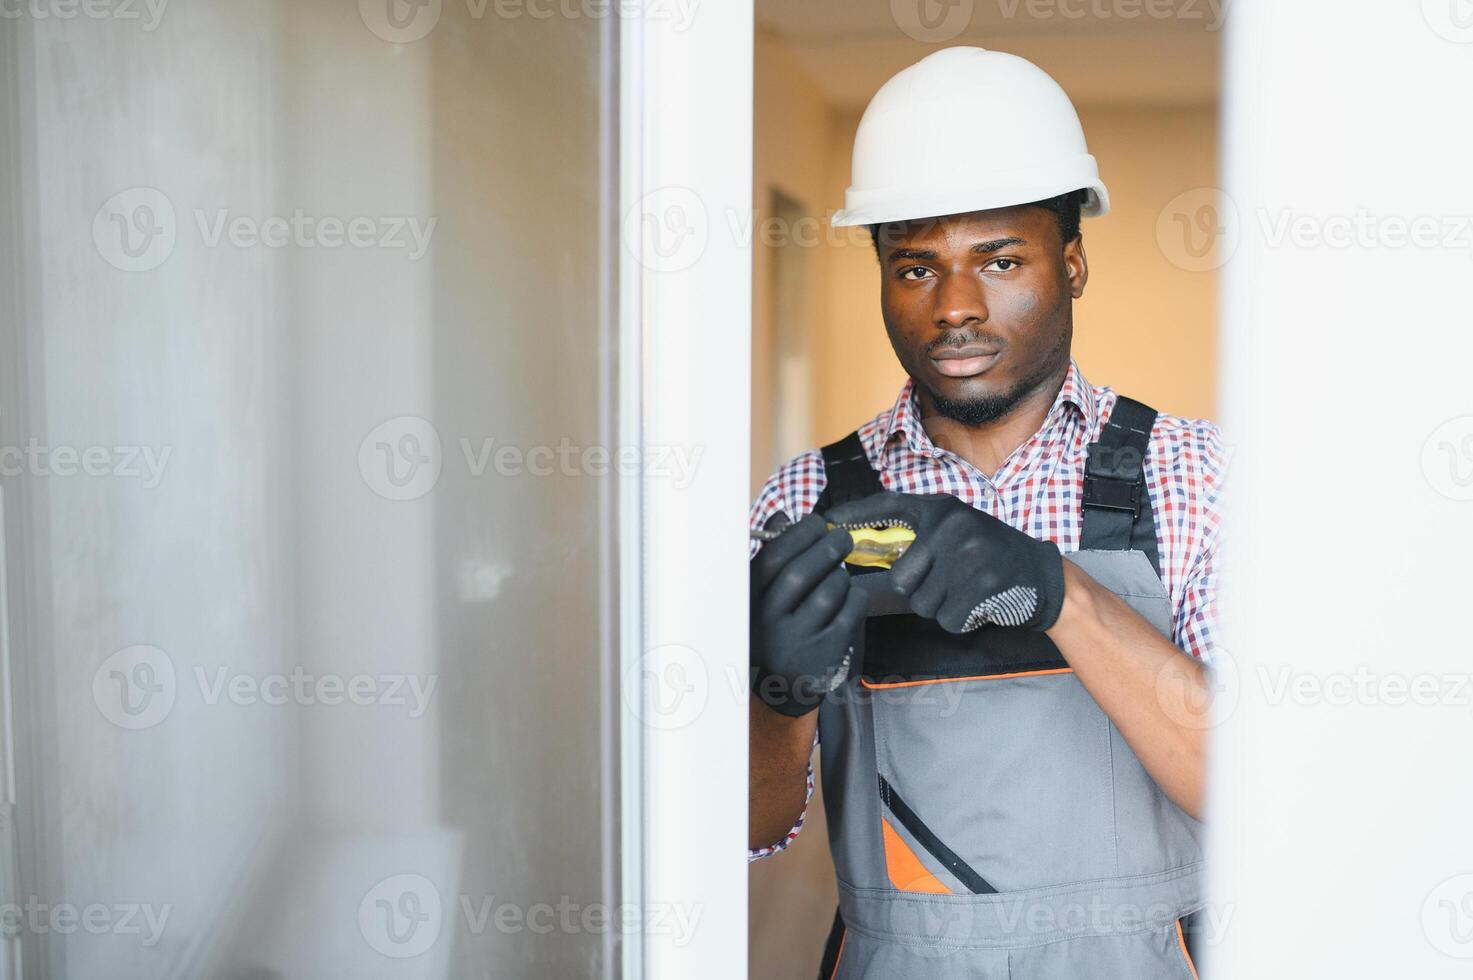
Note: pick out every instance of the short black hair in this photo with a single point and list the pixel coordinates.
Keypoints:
(1067, 207)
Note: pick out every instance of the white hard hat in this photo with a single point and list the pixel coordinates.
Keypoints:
(967, 129)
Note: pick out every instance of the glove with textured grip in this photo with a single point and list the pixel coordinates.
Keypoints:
(806, 614)
(966, 569)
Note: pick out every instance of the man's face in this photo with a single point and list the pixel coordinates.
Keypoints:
(978, 307)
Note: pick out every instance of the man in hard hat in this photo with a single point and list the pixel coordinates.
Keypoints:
(1012, 715)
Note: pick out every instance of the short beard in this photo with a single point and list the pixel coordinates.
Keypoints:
(990, 408)
(979, 411)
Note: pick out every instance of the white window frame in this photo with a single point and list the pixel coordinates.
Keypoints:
(685, 385)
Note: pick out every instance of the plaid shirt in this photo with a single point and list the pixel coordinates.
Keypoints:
(1038, 490)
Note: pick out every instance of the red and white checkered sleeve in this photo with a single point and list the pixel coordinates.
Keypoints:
(795, 489)
(768, 502)
(1196, 619)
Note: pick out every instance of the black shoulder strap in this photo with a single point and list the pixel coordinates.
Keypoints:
(849, 475)
(1117, 507)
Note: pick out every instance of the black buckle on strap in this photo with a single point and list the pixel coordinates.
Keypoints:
(1107, 494)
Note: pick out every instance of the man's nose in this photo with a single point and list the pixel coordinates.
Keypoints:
(960, 302)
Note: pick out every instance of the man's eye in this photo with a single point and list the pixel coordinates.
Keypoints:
(1003, 265)
(921, 273)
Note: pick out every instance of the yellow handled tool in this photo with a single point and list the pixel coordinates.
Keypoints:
(878, 546)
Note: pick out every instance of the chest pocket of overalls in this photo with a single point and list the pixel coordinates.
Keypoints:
(996, 769)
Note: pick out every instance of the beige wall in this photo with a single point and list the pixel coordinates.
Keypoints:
(790, 150)
(1146, 326)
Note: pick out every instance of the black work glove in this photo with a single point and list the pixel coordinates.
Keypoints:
(966, 569)
(806, 614)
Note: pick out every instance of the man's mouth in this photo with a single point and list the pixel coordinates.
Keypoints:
(963, 362)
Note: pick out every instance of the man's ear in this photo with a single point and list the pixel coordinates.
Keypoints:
(1076, 266)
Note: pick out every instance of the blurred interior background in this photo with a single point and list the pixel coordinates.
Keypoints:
(326, 510)
(1146, 88)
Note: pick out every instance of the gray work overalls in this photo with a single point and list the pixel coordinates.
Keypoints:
(986, 819)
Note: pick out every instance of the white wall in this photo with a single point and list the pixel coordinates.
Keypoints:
(1340, 803)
